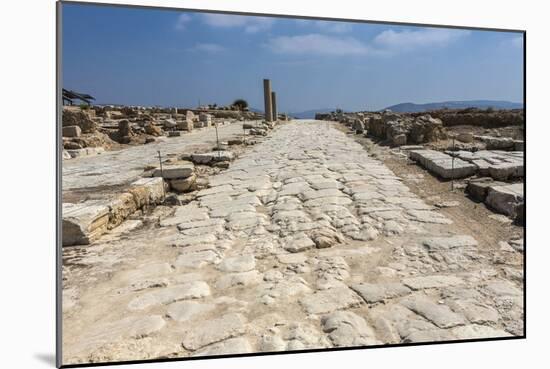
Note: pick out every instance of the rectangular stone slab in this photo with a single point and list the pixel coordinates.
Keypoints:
(443, 164)
(84, 222)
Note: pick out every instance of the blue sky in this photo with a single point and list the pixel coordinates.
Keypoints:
(171, 58)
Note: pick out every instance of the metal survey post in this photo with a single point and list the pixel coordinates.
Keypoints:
(453, 167)
(217, 139)
(161, 173)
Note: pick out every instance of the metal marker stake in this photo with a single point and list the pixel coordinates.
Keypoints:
(453, 167)
(217, 139)
(161, 173)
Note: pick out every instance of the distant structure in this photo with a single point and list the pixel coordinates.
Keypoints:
(268, 107)
(274, 116)
(69, 97)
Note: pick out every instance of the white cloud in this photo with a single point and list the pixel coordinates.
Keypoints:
(333, 27)
(249, 23)
(183, 19)
(208, 48)
(407, 40)
(316, 44)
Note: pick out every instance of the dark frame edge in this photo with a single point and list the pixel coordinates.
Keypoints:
(58, 186)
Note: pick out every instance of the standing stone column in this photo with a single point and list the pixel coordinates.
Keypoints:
(274, 105)
(267, 101)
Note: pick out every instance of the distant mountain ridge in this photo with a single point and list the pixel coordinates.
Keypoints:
(481, 104)
(310, 114)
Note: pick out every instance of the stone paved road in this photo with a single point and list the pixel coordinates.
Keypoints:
(124, 166)
(305, 242)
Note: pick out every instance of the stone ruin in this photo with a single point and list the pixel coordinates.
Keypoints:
(397, 129)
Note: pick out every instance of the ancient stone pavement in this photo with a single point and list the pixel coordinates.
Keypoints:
(124, 166)
(304, 242)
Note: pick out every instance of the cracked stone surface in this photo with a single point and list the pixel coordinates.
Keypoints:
(306, 241)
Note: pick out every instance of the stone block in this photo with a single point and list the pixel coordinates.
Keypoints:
(72, 131)
(175, 171)
(84, 222)
(505, 199)
(443, 164)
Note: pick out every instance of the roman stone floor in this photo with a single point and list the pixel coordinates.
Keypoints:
(305, 242)
(124, 166)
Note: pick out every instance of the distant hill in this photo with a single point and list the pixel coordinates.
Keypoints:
(482, 104)
(310, 114)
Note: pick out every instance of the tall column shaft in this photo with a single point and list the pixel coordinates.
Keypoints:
(274, 105)
(268, 108)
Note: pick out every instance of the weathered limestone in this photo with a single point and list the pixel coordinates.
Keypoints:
(347, 329)
(83, 223)
(212, 331)
(500, 165)
(443, 165)
(330, 300)
(88, 151)
(174, 172)
(220, 273)
(71, 131)
(441, 315)
(212, 157)
(505, 199)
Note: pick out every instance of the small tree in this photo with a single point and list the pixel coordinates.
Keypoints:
(241, 104)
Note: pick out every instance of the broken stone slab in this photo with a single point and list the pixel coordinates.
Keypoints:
(238, 345)
(167, 295)
(211, 331)
(440, 315)
(175, 171)
(505, 199)
(88, 151)
(443, 164)
(477, 188)
(174, 133)
(477, 331)
(249, 278)
(148, 191)
(184, 311)
(196, 259)
(449, 243)
(329, 300)
(237, 264)
(214, 156)
(71, 131)
(183, 184)
(500, 165)
(84, 222)
(348, 329)
(432, 281)
(496, 143)
(378, 292)
(298, 243)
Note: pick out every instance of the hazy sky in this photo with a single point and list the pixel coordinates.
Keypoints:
(169, 58)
